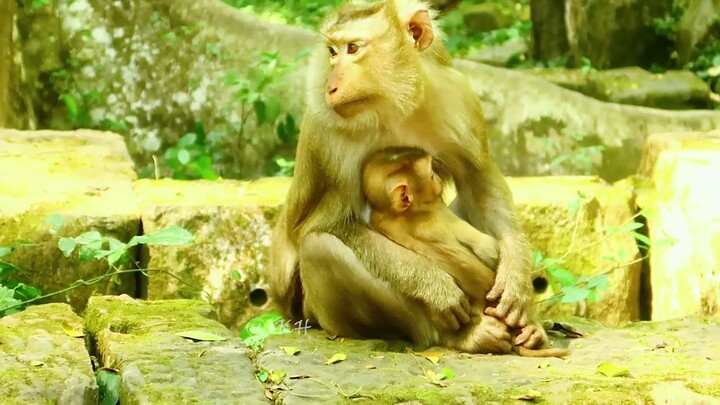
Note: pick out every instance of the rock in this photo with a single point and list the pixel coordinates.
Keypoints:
(138, 338)
(599, 31)
(550, 37)
(528, 125)
(500, 55)
(534, 123)
(698, 28)
(383, 372)
(584, 240)
(40, 362)
(83, 176)
(683, 219)
(571, 79)
(670, 90)
(231, 222)
(486, 17)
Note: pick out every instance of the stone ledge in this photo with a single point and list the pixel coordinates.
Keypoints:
(40, 363)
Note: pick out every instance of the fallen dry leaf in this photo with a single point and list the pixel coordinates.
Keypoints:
(337, 357)
(377, 356)
(290, 350)
(370, 367)
(612, 370)
(299, 377)
(37, 363)
(72, 332)
(434, 357)
(544, 365)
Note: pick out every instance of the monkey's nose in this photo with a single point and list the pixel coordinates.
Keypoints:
(332, 90)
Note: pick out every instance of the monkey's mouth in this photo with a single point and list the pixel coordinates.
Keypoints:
(353, 107)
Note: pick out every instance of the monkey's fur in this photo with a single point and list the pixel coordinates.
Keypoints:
(405, 197)
(379, 77)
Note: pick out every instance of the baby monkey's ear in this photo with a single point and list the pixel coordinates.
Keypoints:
(400, 197)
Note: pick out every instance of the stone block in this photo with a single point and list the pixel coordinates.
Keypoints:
(677, 90)
(231, 222)
(156, 366)
(40, 363)
(584, 239)
(85, 177)
(677, 175)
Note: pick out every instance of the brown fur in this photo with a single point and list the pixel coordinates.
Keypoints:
(405, 195)
(326, 263)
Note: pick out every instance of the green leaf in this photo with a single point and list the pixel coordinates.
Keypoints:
(537, 259)
(27, 292)
(88, 238)
(263, 375)
(448, 373)
(90, 251)
(188, 139)
(574, 206)
(273, 107)
(201, 336)
(70, 104)
(108, 381)
(562, 276)
(56, 221)
(235, 275)
(116, 256)
(599, 282)
(171, 236)
(642, 238)
(631, 226)
(259, 107)
(5, 270)
(612, 370)
(574, 294)
(183, 156)
(593, 296)
(66, 246)
(6, 250)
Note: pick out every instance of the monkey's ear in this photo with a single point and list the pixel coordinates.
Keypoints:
(421, 29)
(400, 197)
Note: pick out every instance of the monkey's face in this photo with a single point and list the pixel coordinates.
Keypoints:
(374, 63)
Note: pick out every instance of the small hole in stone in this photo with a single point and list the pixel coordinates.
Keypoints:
(258, 297)
(540, 284)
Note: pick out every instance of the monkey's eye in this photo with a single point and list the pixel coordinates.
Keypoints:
(332, 51)
(352, 48)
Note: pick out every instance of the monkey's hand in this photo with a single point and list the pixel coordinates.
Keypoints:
(533, 336)
(453, 312)
(514, 294)
(490, 336)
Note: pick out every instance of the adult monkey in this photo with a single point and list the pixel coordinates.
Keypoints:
(379, 79)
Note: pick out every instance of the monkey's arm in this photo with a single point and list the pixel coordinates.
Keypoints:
(485, 200)
(484, 246)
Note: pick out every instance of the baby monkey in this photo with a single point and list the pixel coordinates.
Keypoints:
(405, 197)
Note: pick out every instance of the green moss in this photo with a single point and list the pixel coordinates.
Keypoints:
(127, 316)
(711, 389)
(621, 391)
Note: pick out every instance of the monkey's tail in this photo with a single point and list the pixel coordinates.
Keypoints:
(555, 352)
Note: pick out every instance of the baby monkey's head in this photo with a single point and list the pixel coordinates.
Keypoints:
(400, 180)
